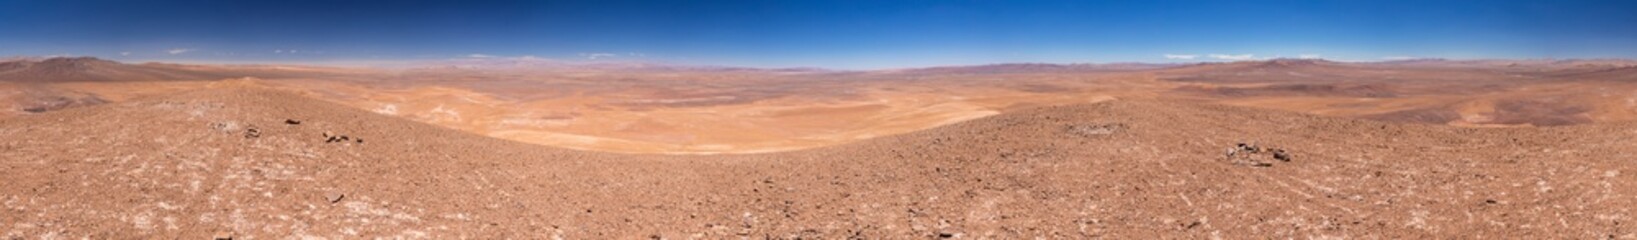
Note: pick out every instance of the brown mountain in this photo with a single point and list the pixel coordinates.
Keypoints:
(1006, 68)
(1619, 74)
(252, 163)
(81, 69)
(89, 69)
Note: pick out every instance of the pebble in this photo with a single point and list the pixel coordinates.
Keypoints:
(334, 197)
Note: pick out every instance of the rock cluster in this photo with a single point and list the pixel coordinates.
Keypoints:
(1256, 156)
(330, 137)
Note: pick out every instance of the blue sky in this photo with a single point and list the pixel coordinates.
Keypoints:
(833, 34)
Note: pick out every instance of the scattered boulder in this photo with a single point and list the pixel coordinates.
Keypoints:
(330, 137)
(1249, 147)
(1256, 156)
(1243, 148)
(292, 121)
(252, 132)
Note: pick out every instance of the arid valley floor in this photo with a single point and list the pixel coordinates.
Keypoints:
(523, 148)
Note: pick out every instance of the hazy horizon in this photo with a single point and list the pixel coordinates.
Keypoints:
(410, 63)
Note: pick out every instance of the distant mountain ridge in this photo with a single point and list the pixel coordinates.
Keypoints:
(1037, 67)
(91, 69)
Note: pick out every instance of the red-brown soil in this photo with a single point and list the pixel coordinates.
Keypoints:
(650, 108)
(189, 165)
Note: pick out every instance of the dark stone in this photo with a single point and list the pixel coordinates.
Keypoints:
(1281, 155)
(1250, 148)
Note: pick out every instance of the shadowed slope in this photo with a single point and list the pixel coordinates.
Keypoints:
(92, 69)
(188, 166)
(89, 69)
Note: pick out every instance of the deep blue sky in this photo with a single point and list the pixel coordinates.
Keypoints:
(836, 34)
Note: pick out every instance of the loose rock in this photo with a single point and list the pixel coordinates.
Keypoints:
(334, 197)
(292, 121)
(1249, 147)
(330, 137)
(1256, 156)
(1281, 155)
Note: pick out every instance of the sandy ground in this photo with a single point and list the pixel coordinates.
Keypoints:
(231, 162)
(710, 111)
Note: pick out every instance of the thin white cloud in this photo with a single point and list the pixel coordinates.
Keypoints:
(278, 51)
(595, 56)
(175, 51)
(476, 55)
(1396, 58)
(124, 53)
(1180, 56)
(1309, 56)
(1233, 57)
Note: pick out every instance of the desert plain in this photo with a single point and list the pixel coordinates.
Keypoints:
(530, 148)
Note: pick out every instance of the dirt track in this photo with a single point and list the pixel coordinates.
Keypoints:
(188, 166)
